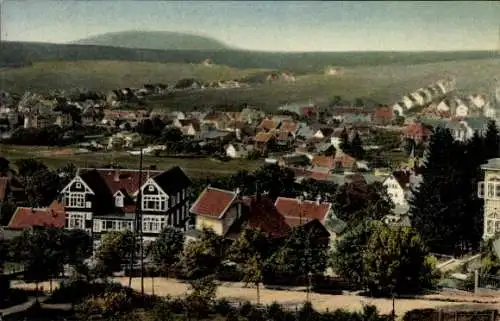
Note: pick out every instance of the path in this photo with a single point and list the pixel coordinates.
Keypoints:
(235, 292)
(21, 307)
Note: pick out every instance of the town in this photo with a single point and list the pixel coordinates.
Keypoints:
(324, 181)
(249, 161)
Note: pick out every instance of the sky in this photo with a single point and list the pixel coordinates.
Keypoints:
(268, 25)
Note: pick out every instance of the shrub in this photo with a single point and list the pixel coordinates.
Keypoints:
(245, 309)
(108, 304)
(223, 307)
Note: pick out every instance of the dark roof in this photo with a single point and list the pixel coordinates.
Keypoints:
(173, 180)
(260, 213)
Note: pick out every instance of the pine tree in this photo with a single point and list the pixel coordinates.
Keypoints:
(492, 141)
(356, 148)
(344, 141)
(436, 207)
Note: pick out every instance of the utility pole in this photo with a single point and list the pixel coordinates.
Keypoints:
(139, 219)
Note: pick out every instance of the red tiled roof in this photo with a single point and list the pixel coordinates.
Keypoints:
(263, 215)
(308, 210)
(263, 137)
(213, 202)
(323, 161)
(26, 217)
(345, 160)
(4, 183)
(268, 124)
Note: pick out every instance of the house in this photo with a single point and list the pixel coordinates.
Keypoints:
(236, 151)
(383, 115)
(418, 132)
(263, 141)
(189, 127)
(217, 209)
(323, 132)
(267, 125)
(301, 213)
(289, 127)
(124, 140)
(219, 120)
(103, 200)
(260, 213)
(397, 185)
(27, 217)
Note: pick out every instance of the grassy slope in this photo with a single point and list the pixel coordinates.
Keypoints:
(107, 75)
(385, 83)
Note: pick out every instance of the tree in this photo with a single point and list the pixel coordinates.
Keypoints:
(42, 187)
(42, 253)
(347, 259)
(202, 296)
(395, 261)
(250, 251)
(78, 246)
(166, 249)
(344, 141)
(29, 166)
(356, 201)
(202, 257)
(492, 141)
(114, 250)
(4, 165)
(356, 147)
(436, 206)
(171, 134)
(302, 253)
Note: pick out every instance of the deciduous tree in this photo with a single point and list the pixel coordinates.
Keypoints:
(166, 249)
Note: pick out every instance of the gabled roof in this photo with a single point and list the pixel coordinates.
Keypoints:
(268, 124)
(289, 126)
(104, 181)
(261, 214)
(173, 180)
(26, 217)
(323, 161)
(213, 202)
(296, 212)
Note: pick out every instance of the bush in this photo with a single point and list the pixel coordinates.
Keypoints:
(223, 307)
(108, 304)
(245, 309)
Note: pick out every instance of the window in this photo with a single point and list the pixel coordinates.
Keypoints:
(78, 185)
(97, 225)
(480, 189)
(183, 193)
(76, 221)
(497, 226)
(151, 224)
(151, 188)
(497, 190)
(76, 200)
(153, 203)
(119, 201)
(125, 225)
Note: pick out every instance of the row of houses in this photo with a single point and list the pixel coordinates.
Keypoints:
(105, 200)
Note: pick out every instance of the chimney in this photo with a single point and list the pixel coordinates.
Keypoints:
(116, 176)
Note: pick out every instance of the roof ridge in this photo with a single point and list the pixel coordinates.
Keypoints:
(220, 189)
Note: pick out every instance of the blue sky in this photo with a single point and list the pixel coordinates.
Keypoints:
(267, 25)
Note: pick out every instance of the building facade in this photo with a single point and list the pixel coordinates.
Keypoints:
(105, 200)
(489, 190)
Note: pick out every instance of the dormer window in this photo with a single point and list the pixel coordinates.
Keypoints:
(119, 201)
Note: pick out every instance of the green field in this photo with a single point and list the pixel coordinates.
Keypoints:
(108, 75)
(195, 168)
(384, 84)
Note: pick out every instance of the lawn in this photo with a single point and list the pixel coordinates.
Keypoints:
(194, 167)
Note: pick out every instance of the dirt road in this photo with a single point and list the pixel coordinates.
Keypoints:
(234, 291)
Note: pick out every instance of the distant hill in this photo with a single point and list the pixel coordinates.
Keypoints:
(16, 53)
(159, 40)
